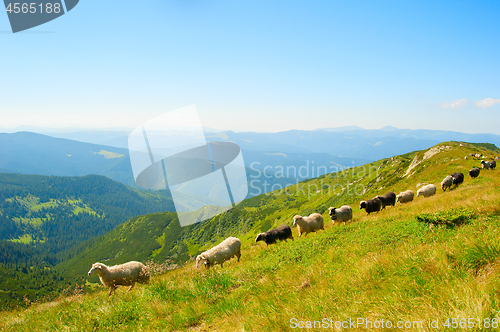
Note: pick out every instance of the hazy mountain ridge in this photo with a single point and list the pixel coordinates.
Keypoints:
(292, 141)
(30, 153)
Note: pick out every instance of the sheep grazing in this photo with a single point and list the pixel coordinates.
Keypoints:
(458, 178)
(121, 275)
(387, 199)
(488, 164)
(222, 252)
(427, 190)
(447, 182)
(283, 232)
(405, 197)
(309, 224)
(342, 214)
(474, 173)
(371, 205)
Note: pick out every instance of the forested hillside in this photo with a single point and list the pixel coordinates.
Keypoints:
(43, 219)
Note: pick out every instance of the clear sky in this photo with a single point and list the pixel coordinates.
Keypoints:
(252, 65)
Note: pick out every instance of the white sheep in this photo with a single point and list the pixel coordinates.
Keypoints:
(405, 197)
(447, 182)
(427, 190)
(309, 224)
(342, 214)
(121, 275)
(222, 252)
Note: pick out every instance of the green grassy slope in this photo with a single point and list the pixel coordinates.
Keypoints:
(398, 264)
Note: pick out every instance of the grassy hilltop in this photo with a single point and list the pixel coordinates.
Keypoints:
(433, 258)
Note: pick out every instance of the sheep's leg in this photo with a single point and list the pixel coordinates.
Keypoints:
(112, 290)
(133, 284)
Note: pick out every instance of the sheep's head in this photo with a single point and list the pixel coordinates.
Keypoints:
(331, 212)
(362, 205)
(260, 237)
(96, 268)
(200, 259)
(297, 217)
(398, 197)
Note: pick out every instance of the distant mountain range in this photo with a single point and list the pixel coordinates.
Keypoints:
(32, 153)
(270, 158)
(350, 141)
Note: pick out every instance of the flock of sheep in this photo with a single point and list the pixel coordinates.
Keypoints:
(129, 273)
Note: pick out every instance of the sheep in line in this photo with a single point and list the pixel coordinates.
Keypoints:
(371, 205)
(342, 214)
(309, 224)
(282, 232)
(387, 199)
(458, 178)
(485, 165)
(427, 190)
(447, 182)
(474, 173)
(222, 252)
(405, 197)
(488, 164)
(121, 275)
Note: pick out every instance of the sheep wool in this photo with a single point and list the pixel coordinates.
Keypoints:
(427, 190)
(121, 275)
(283, 232)
(309, 224)
(447, 182)
(405, 197)
(342, 214)
(222, 252)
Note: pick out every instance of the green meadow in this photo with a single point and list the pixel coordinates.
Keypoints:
(434, 260)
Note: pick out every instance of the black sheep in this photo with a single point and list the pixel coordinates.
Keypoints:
(387, 199)
(457, 178)
(371, 205)
(489, 164)
(474, 173)
(283, 232)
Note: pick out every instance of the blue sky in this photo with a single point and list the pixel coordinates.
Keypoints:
(258, 65)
